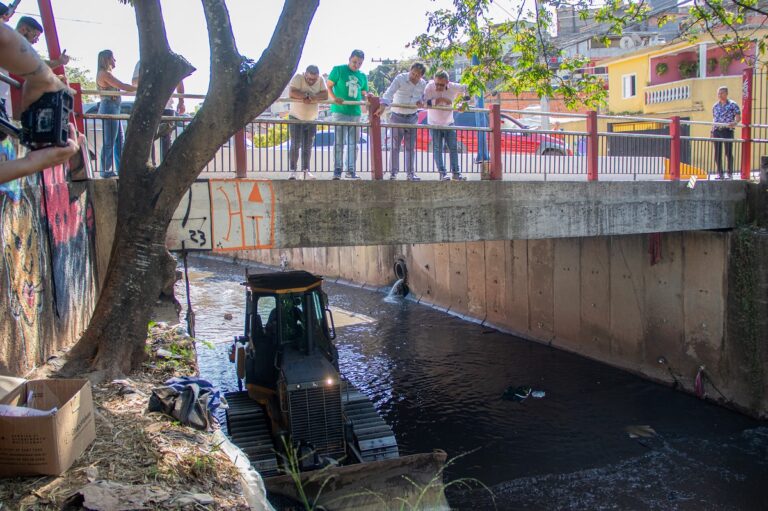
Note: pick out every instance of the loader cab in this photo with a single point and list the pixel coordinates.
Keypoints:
(286, 313)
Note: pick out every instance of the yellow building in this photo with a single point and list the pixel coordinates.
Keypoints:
(678, 79)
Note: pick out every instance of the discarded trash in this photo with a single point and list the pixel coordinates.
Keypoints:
(23, 411)
(228, 316)
(538, 394)
(517, 393)
(191, 401)
(698, 384)
(692, 182)
(112, 496)
(640, 431)
(164, 353)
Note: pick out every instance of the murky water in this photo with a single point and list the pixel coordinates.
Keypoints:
(438, 380)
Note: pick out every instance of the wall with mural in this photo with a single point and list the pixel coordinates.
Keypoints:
(48, 279)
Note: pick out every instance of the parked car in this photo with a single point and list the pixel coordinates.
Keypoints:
(519, 142)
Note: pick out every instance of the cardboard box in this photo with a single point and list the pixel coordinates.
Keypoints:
(49, 444)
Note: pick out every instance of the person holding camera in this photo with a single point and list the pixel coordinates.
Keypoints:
(18, 57)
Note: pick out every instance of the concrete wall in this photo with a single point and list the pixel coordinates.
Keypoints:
(52, 232)
(600, 297)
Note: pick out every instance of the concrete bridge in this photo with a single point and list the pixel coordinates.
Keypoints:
(243, 214)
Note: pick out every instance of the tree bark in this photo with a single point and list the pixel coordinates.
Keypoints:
(240, 89)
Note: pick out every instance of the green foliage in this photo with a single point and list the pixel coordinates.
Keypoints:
(275, 135)
(688, 68)
(518, 55)
(80, 75)
(382, 75)
(662, 68)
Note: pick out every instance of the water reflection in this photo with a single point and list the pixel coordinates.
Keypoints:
(438, 380)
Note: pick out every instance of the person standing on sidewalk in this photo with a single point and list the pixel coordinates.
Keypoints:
(307, 89)
(442, 93)
(405, 89)
(725, 115)
(347, 83)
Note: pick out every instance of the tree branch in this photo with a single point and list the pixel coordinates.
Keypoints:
(161, 71)
(237, 93)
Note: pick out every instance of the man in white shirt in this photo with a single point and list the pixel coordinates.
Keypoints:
(406, 89)
(306, 89)
(442, 93)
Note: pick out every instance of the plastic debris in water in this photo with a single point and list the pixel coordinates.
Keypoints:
(517, 393)
(640, 431)
(538, 394)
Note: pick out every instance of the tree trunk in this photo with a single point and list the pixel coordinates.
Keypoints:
(113, 343)
(240, 89)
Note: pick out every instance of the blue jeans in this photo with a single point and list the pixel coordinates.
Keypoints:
(449, 138)
(112, 131)
(349, 136)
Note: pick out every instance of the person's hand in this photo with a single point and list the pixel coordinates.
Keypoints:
(732, 125)
(181, 109)
(307, 100)
(379, 111)
(63, 59)
(442, 102)
(52, 156)
(338, 100)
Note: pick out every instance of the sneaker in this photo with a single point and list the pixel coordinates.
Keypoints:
(350, 174)
(107, 175)
(293, 175)
(392, 176)
(730, 175)
(719, 176)
(336, 178)
(413, 177)
(458, 177)
(444, 177)
(308, 175)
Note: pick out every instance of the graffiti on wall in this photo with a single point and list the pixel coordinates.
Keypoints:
(69, 221)
(223, 215)
(23, 264)
(47, 274)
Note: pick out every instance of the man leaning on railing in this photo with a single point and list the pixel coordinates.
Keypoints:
(307, 89)
(442, 93)
(405, 89)
(347, 83)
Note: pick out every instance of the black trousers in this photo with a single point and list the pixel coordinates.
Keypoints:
(727, 134)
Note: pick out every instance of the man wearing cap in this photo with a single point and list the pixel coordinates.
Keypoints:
(30, 30)
(347, 83)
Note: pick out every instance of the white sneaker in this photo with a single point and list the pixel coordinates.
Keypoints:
(292, 175)
(308, 175)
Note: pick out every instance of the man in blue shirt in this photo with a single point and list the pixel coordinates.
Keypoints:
(726, 115)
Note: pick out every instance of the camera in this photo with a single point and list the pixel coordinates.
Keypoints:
(44, 123)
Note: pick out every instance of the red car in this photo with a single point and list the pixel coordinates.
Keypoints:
(524, 142)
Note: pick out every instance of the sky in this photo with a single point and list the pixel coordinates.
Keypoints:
(380, 29)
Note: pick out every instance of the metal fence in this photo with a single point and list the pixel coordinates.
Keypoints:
(632, 148)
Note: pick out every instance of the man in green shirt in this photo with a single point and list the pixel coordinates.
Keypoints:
(347, 83)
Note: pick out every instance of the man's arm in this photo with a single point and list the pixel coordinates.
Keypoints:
(18, 57)
(35, 161)
(323, 94)
(389, 95)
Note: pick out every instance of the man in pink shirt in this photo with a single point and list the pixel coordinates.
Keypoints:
(442, 93)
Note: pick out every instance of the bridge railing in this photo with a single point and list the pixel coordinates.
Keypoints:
(495, 144)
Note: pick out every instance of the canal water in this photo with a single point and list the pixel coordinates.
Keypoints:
(439, 381)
